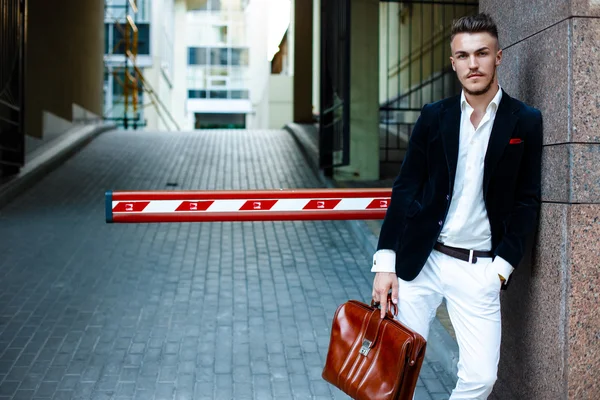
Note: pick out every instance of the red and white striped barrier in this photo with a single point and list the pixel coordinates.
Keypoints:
(247, 205)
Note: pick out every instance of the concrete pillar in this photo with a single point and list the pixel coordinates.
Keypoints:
(303, 63)
(551, 313)
(316, 74)
(65, 48)
(180, 61)
(364, 93)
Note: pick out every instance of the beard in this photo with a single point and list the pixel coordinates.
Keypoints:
(481, 91)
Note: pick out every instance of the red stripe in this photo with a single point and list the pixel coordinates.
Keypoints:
(256, 205)
(379, 203)
(251, 194)
(322, 204)
(133, 206)
(194, 206)
(323, 215)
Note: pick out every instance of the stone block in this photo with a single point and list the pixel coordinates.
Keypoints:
(585, 92)
(533, 316)
(533, 71)
(584, 302)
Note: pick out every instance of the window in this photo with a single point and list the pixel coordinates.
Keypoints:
(239, 57)
(220, 33)
(218, 56)
(219, 121)
(118, 42)
(107, 39)
(119, 81)
(240, 94)
(196, 94)
(218, 94)
(214, 81)
(209, 5)
(218, 71)
(197, 56)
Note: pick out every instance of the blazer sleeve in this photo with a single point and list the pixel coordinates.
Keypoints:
(407, 184)
(523, 219)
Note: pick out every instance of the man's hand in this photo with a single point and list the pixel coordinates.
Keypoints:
(381, 287)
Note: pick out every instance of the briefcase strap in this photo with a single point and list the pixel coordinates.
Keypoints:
(391, 307)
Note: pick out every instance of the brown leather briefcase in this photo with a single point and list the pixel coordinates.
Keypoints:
(371, 358)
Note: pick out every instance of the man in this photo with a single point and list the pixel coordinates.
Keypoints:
(462, 207)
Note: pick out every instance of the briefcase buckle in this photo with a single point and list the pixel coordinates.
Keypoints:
(366, 347)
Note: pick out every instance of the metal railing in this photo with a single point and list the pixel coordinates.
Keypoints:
(334, 119)
(417, 55)
(12, 89)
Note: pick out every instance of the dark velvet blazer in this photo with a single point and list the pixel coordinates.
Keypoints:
(422, 192)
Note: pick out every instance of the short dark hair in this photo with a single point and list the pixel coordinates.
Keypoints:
(481, 22)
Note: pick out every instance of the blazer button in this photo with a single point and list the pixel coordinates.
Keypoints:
(440, 223)
(447, 197)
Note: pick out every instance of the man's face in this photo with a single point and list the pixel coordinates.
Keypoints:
(475, 57)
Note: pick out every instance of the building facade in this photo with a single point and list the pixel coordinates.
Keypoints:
(139, 58)
(218, 65)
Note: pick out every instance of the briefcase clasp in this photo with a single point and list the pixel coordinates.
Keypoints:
(366, 347)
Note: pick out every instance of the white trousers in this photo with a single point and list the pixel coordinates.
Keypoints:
(472, 293)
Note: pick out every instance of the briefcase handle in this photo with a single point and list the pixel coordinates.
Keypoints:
(392, 309)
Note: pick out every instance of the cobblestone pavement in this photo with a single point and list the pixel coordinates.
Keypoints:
(90, 310)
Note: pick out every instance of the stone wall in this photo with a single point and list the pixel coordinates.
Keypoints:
(551, 314)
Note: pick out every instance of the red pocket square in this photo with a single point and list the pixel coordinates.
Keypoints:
(515, 141)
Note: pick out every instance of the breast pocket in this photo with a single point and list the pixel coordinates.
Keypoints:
(514, 152)
(510, 163)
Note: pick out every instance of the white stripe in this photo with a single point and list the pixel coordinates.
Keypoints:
(162, 206)
(226, 205)
(353, 204)
(290, 205)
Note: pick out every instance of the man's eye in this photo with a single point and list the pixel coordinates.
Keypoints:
(483, 54)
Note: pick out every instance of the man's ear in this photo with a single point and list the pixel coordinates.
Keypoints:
(499, 57)
(452, 61)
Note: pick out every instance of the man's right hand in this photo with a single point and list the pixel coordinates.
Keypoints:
(381, 287)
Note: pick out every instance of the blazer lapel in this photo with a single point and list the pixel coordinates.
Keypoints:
(450, 130)
(504, 124)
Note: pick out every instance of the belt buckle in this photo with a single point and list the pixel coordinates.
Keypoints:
(471, 257)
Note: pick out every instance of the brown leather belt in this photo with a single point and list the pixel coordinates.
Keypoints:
(462, 254)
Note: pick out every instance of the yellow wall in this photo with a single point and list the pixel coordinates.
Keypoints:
(65, 46)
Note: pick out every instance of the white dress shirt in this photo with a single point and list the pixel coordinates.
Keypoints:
(467, 225)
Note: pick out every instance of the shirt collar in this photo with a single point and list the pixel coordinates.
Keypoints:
(493, 104)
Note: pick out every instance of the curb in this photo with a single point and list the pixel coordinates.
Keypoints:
(443, 349)
(308, 149)
(49, 156)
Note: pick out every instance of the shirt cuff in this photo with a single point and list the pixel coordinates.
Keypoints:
(384, 261)
(503, 267)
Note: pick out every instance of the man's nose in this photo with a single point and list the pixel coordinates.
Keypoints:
(473, 62)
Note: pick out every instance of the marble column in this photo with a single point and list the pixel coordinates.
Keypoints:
(551, 313)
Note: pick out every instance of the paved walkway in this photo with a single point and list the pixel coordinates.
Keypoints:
(90, 310)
